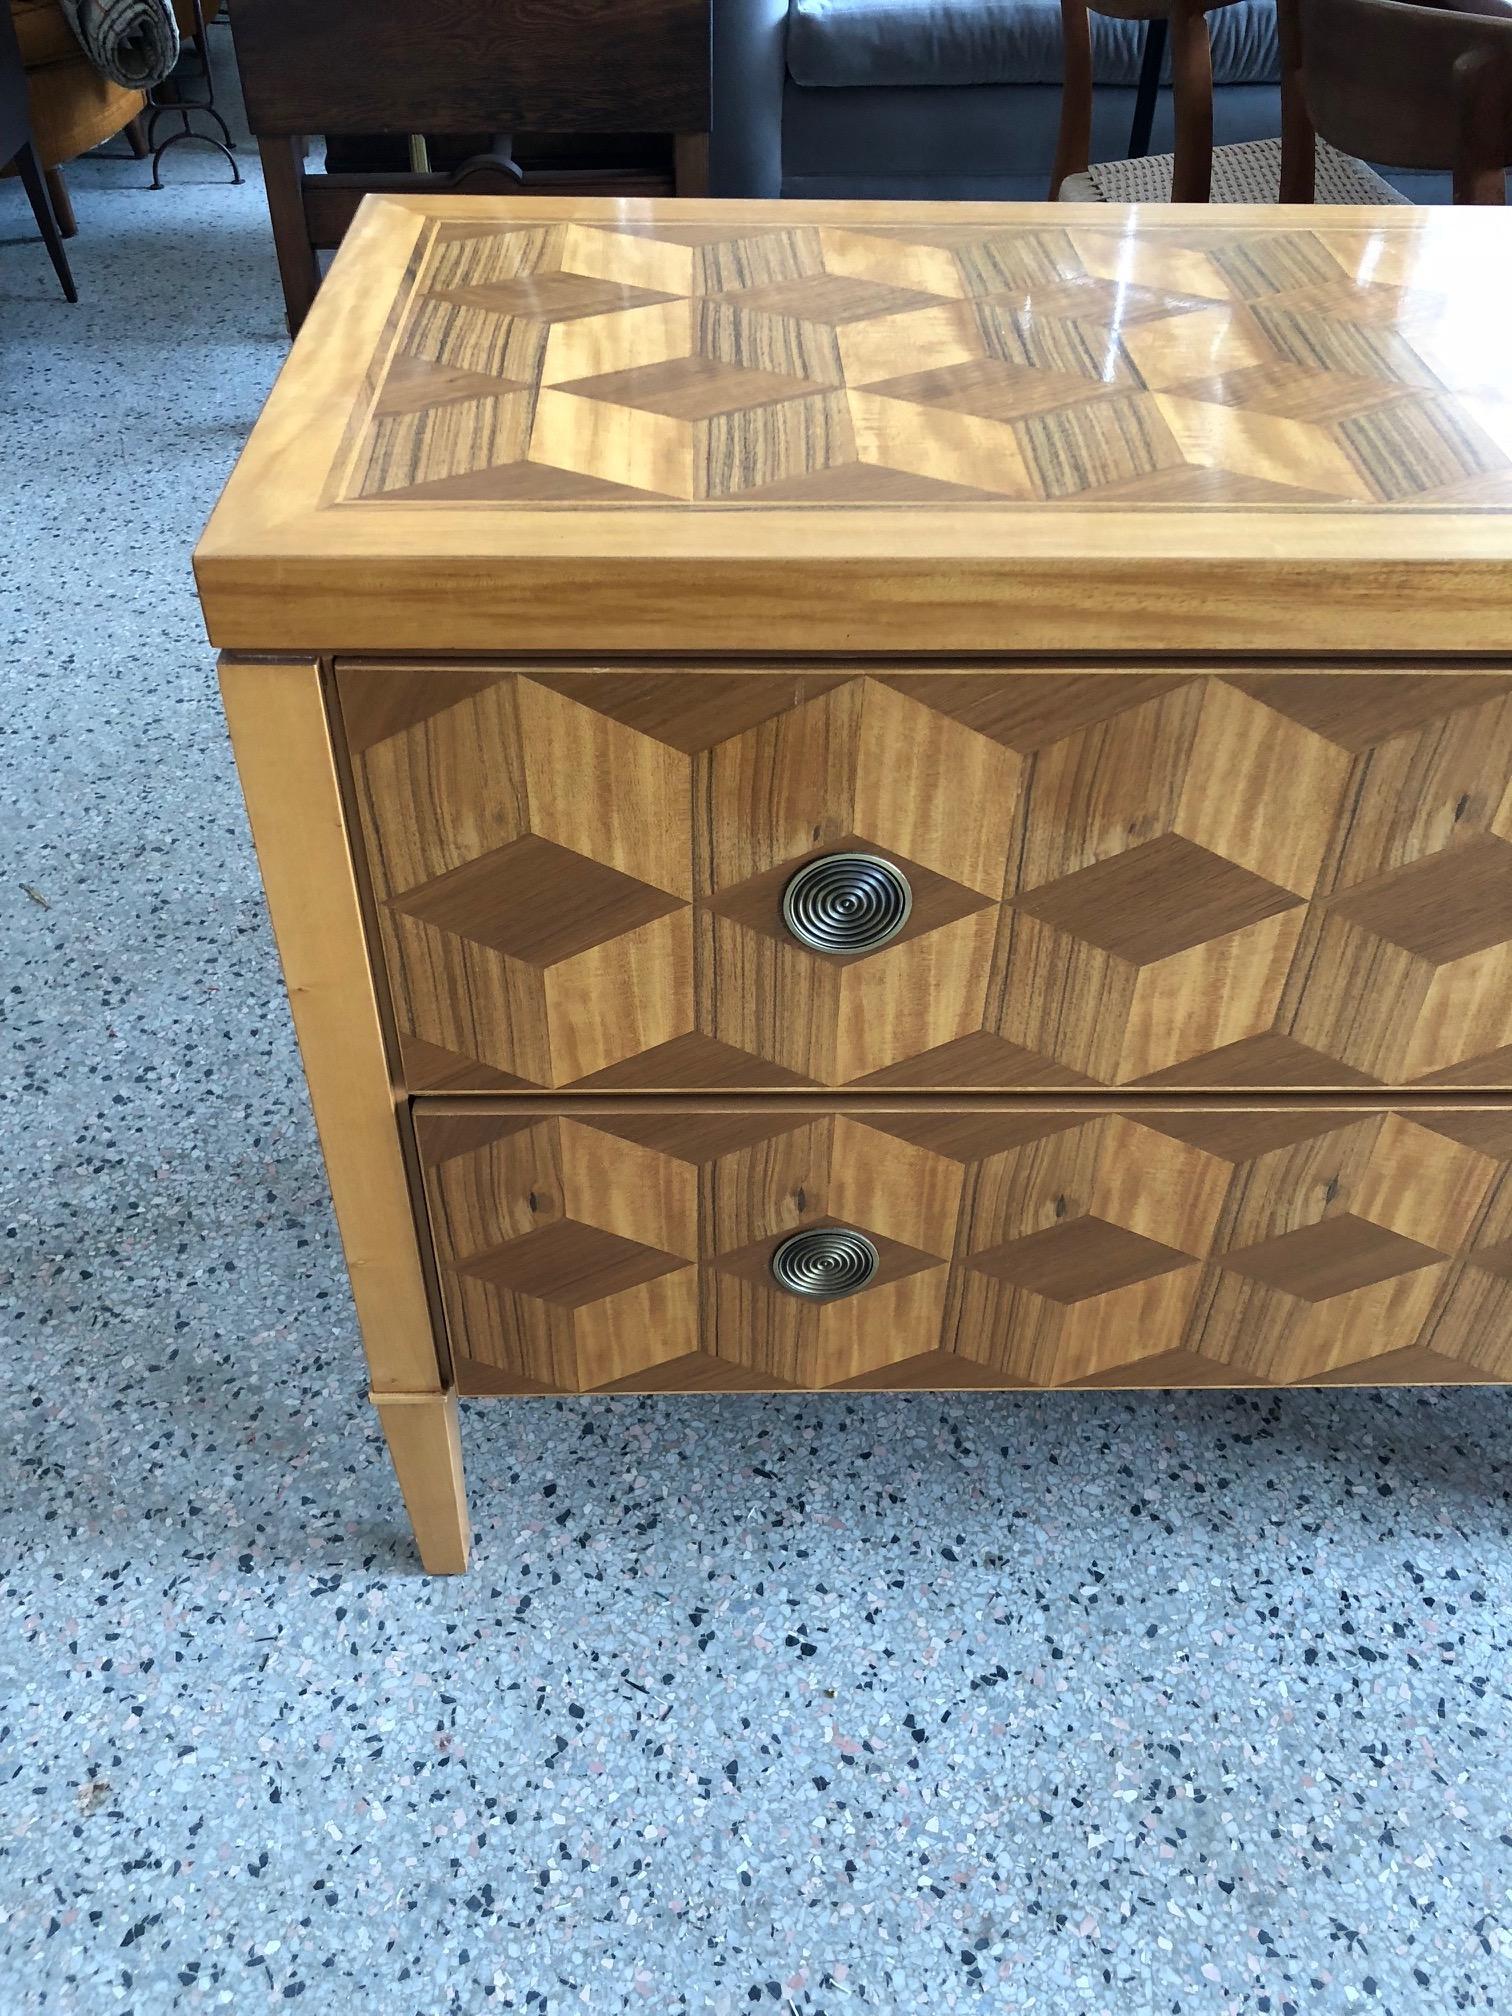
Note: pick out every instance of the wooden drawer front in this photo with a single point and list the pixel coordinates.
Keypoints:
(627, 1244)
(1119, 878)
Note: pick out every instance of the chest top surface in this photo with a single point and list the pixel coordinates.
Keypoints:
(598, 425)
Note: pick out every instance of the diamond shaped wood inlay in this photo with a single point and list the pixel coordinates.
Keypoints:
(570, 1264)
(535, 901)
(1050, 362)
(1155, 900)
(610, 1244)
(1095, 901)
(1335, 1256)
(1079, 1258)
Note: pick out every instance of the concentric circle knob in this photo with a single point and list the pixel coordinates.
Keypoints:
(824, 1262)
(846, 903)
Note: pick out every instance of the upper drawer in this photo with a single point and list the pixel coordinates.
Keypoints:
(1213, 879)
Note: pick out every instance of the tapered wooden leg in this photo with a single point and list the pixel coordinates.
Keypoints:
(63, 210)
(1299, 146)
(34, 182)
(136, 137)
(426, 1445)
(1147, 95)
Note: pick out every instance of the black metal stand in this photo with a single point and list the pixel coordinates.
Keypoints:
(186, 109)
(1150, 66)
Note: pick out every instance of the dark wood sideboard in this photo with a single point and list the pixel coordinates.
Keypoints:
(597, 74)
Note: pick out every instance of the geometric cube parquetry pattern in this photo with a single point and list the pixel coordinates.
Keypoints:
(645, 363)
(1254, 879)
(631, 1251)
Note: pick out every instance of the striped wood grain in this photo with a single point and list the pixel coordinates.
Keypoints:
(626, 1245)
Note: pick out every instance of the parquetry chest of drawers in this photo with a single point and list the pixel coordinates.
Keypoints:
(862, 797)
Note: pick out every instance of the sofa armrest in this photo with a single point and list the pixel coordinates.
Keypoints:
(749, 70)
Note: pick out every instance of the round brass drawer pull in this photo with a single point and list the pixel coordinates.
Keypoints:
(846, 903)
(825, 1262)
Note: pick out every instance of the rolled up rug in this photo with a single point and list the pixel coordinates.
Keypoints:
(135, 43)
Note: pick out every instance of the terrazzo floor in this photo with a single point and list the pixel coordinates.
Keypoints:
(1077, 1704)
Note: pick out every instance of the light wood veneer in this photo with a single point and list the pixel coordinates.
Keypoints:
(1296, 878)
(1134, 587)
(501, 414)
(626, 1245)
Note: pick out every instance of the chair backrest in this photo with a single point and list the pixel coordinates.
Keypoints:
(1412, 86)
(474, 66)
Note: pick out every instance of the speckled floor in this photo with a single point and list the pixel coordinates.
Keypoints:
(1068, 1704)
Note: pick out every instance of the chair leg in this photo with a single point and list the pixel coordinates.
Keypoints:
(1480, 185)
(136, 137)
(35, 183)
(63, 210)
(690, 164)
(1480, 172)
(1073, 146)
(1157, 34)
(1299, 145)
(1192, 92)
(298, 267)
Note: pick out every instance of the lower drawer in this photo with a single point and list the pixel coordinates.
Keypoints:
(661, 1245)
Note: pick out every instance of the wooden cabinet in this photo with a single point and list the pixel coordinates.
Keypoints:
(874, 798)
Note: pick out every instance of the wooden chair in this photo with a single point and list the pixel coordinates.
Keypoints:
(1191, 87)
(72, 107)
(1253, 171)
(1419, 87)
(18, 146)
(550, 67)
(1416, 86)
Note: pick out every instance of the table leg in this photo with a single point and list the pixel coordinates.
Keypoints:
(423, 1440)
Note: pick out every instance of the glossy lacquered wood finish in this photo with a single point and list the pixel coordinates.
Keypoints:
(627, 1245)
(1136, 587)
(1145, 878)
(950, 428)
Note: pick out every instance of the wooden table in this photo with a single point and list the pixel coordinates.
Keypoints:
(873, 797)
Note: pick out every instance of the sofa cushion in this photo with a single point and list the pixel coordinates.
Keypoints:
(900, 42)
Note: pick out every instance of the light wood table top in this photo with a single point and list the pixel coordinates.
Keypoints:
(713, 427)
